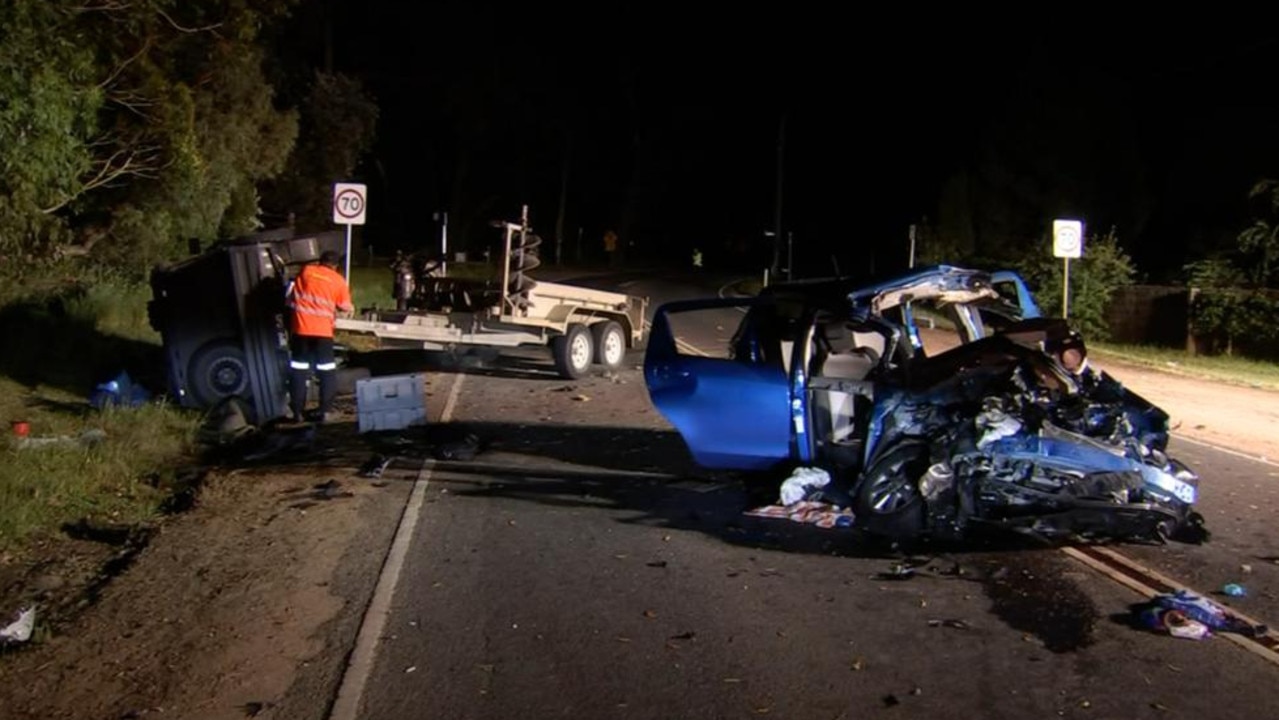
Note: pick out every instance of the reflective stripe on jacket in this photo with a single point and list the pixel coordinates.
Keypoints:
(316, 296)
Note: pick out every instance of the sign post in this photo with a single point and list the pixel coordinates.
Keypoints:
(1068, 242)
(350, 200)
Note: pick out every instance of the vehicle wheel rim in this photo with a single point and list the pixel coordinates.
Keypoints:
(227, 376)
(580, 352)
(891, 489)
(613, 348)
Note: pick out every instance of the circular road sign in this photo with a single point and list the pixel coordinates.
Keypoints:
(349, 203)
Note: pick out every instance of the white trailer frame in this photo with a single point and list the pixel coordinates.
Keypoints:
(581, 325)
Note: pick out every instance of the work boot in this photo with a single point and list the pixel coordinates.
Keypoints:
(324, 416)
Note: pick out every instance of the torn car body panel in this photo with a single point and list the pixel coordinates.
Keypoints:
(939, 401)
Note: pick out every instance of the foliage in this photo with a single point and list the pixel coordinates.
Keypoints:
(337, 123)
(1094, 278)
(1259, 242)
(48, 112)
(1224, 316)
(127, 127)
(1232, 302)
(1214, 272)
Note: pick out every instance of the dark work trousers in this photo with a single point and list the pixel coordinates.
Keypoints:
(311, 353)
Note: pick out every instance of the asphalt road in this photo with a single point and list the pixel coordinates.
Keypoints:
(582, 567)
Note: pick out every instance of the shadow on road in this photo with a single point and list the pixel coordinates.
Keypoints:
(646, 477)
(525, 363)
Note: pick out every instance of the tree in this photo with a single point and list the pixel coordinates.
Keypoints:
(48, 120)
(1094, 278)
(1259, 243)
(145, 123)
(337, 125)
(1231, 301)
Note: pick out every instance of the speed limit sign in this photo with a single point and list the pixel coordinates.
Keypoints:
(1068, 238)
(350, 200)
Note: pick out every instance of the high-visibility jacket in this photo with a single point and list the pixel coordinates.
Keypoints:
(315, 297)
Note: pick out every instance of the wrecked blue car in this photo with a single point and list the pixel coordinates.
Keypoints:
(938, 401)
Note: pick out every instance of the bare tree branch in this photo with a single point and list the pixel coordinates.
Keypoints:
(133, 101)
(139, 161)
(180, 28)
(91, 237)
(146, 44)
(103, 6)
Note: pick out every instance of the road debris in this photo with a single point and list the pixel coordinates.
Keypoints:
(801, 483)
(1234, 590)
(19, 631)
(811, 512)
(331, 489)
(898, 572)
(120, 391)
(253, 709)
(1186, 615)
(376, 465)
(86, 439)
(950, 623)
(465, 449)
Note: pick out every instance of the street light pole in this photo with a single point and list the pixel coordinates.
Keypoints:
(777, 217)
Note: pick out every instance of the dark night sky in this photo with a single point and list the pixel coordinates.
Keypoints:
(673, 113)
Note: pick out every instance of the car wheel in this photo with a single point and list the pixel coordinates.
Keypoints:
(574, 351)
(887, 499)
(610, 344)
(218, 370)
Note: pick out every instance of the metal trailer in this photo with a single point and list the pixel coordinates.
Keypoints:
(582, 326)
(221, 317)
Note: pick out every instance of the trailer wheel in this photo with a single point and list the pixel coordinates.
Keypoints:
(610, 344)
(573, 351)
(218, 370)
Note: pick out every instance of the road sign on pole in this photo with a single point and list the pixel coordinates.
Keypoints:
(350, 201)
(1068, 238)
(1068, 242)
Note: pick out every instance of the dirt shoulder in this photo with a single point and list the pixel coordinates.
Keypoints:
(245, 606)
(1231, 416)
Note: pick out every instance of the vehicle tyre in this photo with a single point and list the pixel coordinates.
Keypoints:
(218, 370)
(610, 344)
(887, 500)
(574, 351)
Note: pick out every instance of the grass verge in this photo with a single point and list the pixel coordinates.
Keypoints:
(63, 336)
(1234, 370)
(122, 477)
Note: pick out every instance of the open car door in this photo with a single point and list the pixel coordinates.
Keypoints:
(732, 410)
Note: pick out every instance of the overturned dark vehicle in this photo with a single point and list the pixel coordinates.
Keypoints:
(938, 402)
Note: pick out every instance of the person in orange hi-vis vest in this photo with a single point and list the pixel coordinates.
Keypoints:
(315, 297)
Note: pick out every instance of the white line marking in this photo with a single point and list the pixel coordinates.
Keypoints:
(360, 665)
(1228, 451)
(689, 347)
